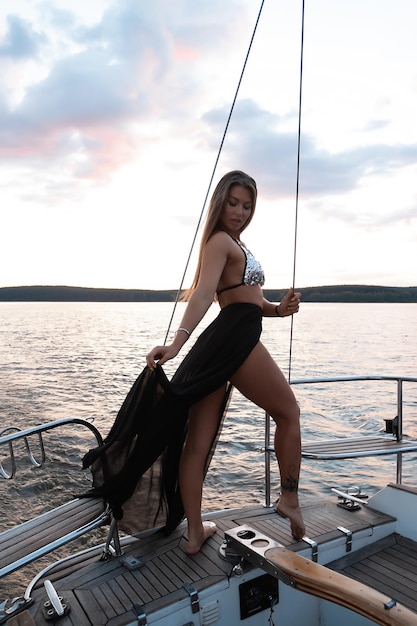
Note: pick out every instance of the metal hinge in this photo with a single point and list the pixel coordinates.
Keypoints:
(314, 548)
(192, 592)
(348, 533)
(140, 614)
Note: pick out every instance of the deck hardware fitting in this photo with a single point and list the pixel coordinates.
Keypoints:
(112, 547)
(192, 592)
(231, 556)
(314, 548)
(140, 614)
(252, 545)
(349, 501)
(348, 533)
(108, 553)
(131, 562)
(238, 569)
(227, 554)
(56, 606)
(390, 605)
(391, 426)
(16, 605)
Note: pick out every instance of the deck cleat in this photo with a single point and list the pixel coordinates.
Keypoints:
(55, 606)
(351, 499)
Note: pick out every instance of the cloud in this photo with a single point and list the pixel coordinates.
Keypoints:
(114, 85)
(108, 82)
(256, 140)
(91, 96)
(21, 40)
(376, 124)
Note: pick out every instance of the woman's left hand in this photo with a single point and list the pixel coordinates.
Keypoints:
(290, 303)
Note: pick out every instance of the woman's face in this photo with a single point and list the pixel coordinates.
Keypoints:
(236, 210)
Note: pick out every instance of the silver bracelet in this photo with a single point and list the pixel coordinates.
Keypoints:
(185, 330)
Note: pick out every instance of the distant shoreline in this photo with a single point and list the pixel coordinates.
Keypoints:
(330, 293)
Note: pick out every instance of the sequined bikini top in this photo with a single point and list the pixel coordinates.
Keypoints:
(253, 273)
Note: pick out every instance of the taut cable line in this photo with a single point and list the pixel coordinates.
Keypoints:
(214, 169)
(267, 447)
(298, 180)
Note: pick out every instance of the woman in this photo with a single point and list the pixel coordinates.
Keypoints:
(228, 271)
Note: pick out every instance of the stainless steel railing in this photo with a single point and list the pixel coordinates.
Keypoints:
(11, 434)
(397, 429)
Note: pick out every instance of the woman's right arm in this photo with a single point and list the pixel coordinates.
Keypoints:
(213, 262)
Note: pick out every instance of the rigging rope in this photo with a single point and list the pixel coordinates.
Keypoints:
(214, 170)
(298, 180)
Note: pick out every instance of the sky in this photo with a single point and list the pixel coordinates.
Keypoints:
(112, 113)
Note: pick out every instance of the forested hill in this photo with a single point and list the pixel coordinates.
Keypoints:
(332, 293)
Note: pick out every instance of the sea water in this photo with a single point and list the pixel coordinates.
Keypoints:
(79, 360)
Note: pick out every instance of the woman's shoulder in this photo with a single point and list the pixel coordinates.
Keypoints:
(221, 243)
(221, 238)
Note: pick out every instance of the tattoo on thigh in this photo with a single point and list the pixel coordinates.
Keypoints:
(289, 484)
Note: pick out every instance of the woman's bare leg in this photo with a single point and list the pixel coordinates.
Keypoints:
(261, 381)
(202, 427)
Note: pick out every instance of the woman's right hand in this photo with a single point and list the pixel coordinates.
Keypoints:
(160, 355)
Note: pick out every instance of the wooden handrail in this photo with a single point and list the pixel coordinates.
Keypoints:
(322, 582)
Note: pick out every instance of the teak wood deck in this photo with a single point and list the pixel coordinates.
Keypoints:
(112, 592)
(389, 565)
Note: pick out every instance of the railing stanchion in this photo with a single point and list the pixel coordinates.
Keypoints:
(267, 460)
(399, 429)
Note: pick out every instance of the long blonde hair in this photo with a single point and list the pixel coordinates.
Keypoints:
(217, 202)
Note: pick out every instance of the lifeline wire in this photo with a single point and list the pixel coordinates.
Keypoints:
(214, 170)
(298, 180)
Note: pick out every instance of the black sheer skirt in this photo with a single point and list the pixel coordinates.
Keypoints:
(137, 467)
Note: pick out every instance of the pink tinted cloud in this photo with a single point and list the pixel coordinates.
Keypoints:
(185, 53)
(131, 68)
(103, 150)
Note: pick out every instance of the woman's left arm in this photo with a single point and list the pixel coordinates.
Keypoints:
(214, 259)
(289, 305)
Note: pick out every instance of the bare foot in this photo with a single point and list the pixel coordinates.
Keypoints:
(194, 544)
(293, 513)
